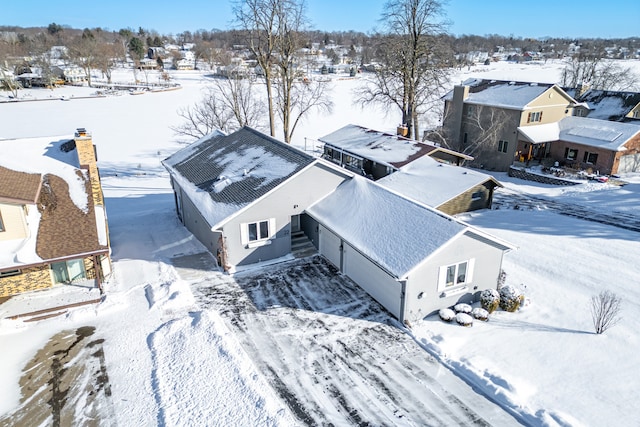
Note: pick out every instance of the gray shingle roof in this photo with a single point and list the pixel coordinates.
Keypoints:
(238, 168)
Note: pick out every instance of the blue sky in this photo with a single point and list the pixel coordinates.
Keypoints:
(540, 18)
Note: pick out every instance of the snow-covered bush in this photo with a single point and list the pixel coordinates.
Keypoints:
(490, 300)
(510, 298)
(447, 314)
(480, 314)
(462, 308)
(464, 319)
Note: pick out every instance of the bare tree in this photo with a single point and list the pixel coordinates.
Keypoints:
(9, 83)
(303, 97)
(259, 20)
(598, 73)
(485, 126)
(605, 311)
(414, 60)
(82, 51)
(227, 106)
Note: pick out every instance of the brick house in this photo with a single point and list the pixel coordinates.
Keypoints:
(582, 143)
(53, 227)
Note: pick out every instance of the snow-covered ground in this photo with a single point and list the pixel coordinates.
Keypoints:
(172, 361)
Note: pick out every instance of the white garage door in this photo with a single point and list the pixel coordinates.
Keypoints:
(382, 287)
(330, 246)
(630, 163)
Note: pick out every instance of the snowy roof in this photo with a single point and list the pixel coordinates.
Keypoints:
(582, 130)
(607, 105)
(224, 173)
(433, 183)
(394, 232)
(384, 148)
(499, 93)
(64, 222)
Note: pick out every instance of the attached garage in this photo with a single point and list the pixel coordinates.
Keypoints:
(370, 277)
(393, 248)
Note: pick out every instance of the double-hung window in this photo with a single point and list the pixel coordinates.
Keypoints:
(503, 146)
(455, 275)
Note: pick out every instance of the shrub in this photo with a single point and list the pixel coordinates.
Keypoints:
(462, 308)
(447, 314)
(464, 319)
(605, 310)
(510, 298)
(480, 314)
(490, 300)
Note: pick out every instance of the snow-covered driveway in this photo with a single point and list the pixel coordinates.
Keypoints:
(334, 355)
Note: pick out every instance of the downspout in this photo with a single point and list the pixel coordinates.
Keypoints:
(403, 297)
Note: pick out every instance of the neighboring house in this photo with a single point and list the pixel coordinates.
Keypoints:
(450, 189)
(245, 195)
(502, 107)
(53, 227)
(583, 143)
(377, 154)
(607, 105)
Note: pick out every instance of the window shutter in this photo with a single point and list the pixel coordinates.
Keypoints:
(529, 118)
(470, 265)
(442, 277)
(244, 235)
(272, 228)
(540, 118)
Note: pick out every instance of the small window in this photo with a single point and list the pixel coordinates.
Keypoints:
(257, 232)
(534, 116)
(570, 153)
(503, 146)
(466, 137)
(477, 195)
(68, 271)
(453, 275)
(590, 158)
(636, 114)
(9, 273)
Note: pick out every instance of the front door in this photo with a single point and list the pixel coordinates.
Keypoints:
(295, 223)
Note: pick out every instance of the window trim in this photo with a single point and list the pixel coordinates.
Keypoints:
(568, 150)
(587, 155)
(444, 286)
(247, 242)
(503, 145)
(10, 273)
(534, 117)
(477, 195)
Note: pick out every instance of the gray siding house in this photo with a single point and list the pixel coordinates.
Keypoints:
(245, 194)
(242, 194)
(411, 258)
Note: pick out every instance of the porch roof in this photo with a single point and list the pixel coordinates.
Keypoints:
(581, 130)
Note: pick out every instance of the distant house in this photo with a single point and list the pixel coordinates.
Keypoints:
(448, 188)
(607, 105)
(246, 196)
(53, 226)
(377, 154)
(506, 106)
(583, 143)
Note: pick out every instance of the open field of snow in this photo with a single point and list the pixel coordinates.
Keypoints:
(174, 358)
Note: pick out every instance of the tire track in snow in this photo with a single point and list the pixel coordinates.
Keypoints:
(333, 354)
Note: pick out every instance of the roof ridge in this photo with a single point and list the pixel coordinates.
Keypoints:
(277, 141)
